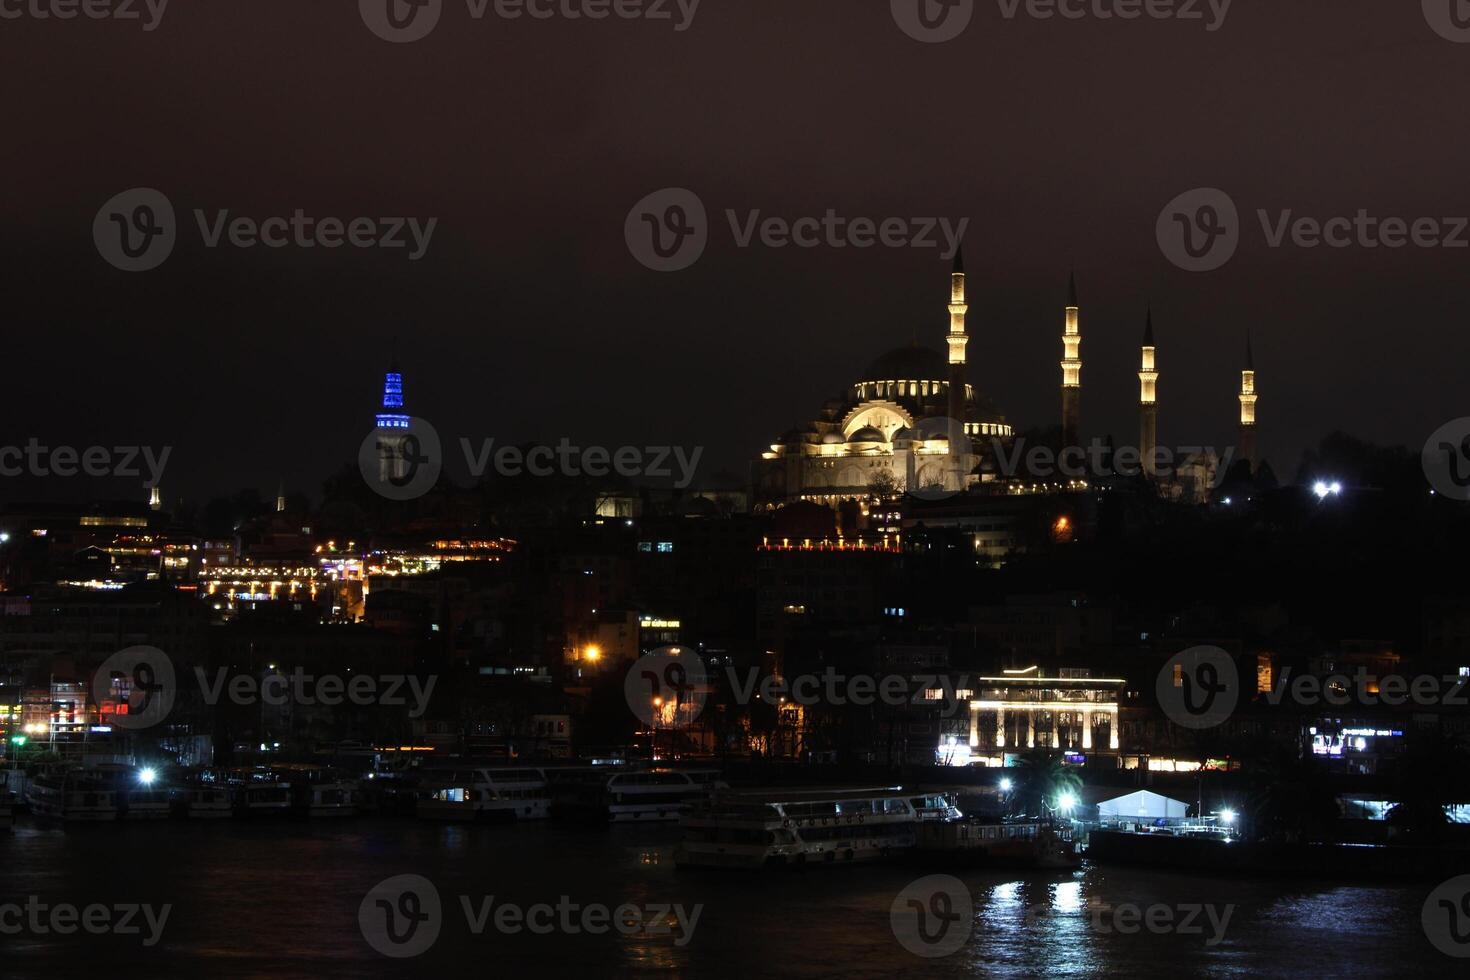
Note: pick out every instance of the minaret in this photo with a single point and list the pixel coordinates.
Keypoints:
(1247, 448)
(392, 426)
(281, 498)
(957, 339)
(1148, 400)
(1071, 370)
(155, 499)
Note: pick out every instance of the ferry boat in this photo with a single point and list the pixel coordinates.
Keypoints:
(72, 796)
(321, 792)
(799, 828)
(485, 794)
(259, 792)
(139, 794)
(996, 845)
(201, 800)
(640, 796)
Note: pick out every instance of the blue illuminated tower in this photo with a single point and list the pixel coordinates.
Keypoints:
(392, 427)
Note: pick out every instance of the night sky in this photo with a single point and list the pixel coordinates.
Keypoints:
(1061, 141)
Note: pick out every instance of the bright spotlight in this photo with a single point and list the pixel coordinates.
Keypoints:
(147, 776)
(1321, 490)
(1066, 801)
(1006, 785)
(1227, 816)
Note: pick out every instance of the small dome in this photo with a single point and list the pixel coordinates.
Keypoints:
(867, 434)
(832, 439)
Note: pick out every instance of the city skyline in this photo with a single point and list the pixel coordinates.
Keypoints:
(251, 349)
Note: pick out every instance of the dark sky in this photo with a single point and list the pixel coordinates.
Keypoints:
(529, 141)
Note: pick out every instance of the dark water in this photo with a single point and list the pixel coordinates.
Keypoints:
(281, 899)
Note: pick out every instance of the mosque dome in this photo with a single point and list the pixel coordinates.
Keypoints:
(912, 363)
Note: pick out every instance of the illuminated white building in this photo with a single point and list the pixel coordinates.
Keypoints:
(910, 422)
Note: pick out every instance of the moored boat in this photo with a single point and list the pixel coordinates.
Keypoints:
(259, 792)
(634, 797)
(468, 793)
(72, 795)
(996, 845)
(798, 828)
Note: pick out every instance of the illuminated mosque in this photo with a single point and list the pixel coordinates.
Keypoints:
(912, 421)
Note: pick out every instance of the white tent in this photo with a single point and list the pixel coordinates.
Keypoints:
(1142, 806)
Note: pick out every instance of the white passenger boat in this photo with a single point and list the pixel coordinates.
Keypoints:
(72, 796)
(469, 793)
(798, 827)
(259, 792)
(648, 795)
(140, 793)
(202, 801)
(320, 791)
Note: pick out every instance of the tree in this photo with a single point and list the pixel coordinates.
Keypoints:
(1041, 778)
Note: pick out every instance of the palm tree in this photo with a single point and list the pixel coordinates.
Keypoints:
(1041, 778)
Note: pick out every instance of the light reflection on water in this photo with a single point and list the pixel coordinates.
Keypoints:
(280, 900)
